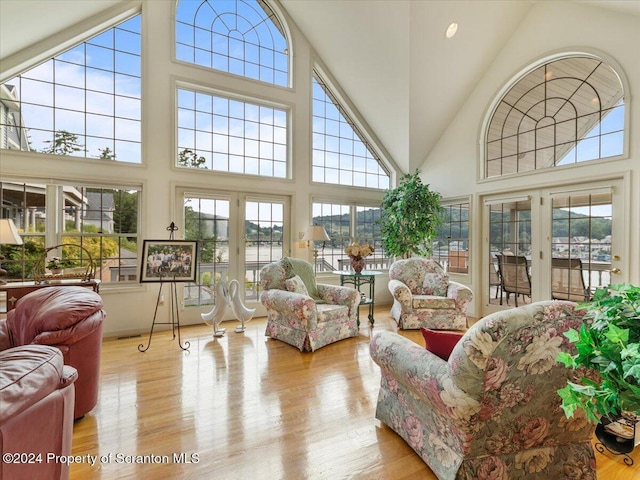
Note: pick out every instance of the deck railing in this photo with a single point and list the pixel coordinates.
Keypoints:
(371, 263)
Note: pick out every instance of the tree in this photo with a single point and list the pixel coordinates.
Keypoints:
(100, 248)
(410, 216)
(21, 260)
(107, 154)
(207, 243)
(125, 214)
(189, 158)
(63, 143)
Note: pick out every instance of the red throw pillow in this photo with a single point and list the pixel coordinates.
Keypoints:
(440, 343)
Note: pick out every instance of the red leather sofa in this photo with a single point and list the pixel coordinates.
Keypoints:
(36, 414)
(69, 318)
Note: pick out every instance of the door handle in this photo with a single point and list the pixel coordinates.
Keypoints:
(615, 271)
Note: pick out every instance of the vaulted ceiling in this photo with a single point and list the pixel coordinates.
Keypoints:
(390, 57)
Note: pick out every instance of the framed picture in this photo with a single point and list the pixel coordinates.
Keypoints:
(168, 261)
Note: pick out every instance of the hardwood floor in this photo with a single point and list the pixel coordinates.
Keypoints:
(248, 407)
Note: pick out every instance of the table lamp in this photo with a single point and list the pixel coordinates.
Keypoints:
(8, 236)
(316, 233)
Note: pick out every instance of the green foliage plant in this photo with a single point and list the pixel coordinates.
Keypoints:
(610, 346)
(410, 216)
(25, 256)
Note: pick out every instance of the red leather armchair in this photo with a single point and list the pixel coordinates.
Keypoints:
(36, 418)
(69, 318)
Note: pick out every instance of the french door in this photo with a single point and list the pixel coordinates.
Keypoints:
(553, 243)
(237, 233)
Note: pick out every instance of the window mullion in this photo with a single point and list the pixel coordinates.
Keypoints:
(54, 226)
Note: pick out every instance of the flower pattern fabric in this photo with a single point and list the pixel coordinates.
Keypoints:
(433, 302)
(491, 411)
(296, 285)
(435, 284)
(414, 284)
(301, 321)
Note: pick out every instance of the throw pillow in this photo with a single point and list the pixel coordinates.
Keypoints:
(435, 284)
(285, 263)
(296, 285)
(440, 343)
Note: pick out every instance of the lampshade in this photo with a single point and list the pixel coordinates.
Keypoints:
(9, 233)
(316, 233)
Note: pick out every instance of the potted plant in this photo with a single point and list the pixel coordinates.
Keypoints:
(56, 265)
(410, 216)
(609, 345)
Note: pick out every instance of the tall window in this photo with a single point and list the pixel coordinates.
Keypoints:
(336, 220)
(510, 224)
(510, 250)
(212, 220)
(26, 205)
(345, 223)
(106, 224)
(229, 135)
(566, 111)
(101, 222)
(452, 242)
(341, 154)
(581, 243)
(243, 37)
(207, 221)
(85, 102)
(368, 228)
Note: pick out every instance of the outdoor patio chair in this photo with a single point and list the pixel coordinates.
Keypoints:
(514, 276)
(567, 280)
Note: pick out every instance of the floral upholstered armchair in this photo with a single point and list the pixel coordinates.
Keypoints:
(491, 410)
(302, 313)
(423, 296)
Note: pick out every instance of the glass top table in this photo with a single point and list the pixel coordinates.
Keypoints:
(365, 277)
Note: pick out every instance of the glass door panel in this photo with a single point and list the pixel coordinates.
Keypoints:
(581, 244)
(237, 235)
(509, 252)
(552, 244)
(263, 240)
(207, 220)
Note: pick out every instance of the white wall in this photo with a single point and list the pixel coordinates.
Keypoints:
(452, 166)
(130, 309)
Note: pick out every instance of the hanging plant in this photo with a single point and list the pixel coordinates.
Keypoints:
(410, 216)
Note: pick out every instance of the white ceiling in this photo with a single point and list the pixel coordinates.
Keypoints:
(389, 56)
(25, 22)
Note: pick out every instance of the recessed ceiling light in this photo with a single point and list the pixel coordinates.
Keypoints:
(548, 75)
(451, 30)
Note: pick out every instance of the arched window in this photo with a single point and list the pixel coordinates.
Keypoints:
(567, 111)
(243, 37)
